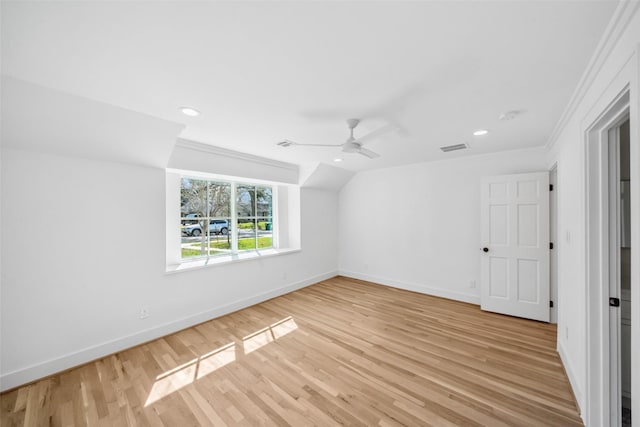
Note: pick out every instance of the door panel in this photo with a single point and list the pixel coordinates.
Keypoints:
(528, 280)
(499, 219)
(498, 277)
(528, 216)
(515, 229)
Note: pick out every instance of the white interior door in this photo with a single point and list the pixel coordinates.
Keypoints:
(515, 239)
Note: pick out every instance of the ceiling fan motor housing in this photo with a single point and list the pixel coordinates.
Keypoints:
(352, 123)
(351, 147)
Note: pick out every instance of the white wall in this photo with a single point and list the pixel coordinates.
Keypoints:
(613, 69)
(418, 226)
(84, 250)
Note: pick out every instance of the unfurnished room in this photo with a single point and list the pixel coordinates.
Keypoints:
(363, 213)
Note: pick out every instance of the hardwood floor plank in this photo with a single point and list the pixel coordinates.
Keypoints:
(341, 352)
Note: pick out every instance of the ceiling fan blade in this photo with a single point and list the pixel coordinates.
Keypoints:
(288, 143)
(377, 133)
(321, 145)
(327, 115)
(368, 153)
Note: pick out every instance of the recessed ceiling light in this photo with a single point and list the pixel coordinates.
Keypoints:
(188, 111)
(337, 160)
(480, 132)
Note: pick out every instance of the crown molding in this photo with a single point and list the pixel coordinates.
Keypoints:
(616, 27)
(224, 152)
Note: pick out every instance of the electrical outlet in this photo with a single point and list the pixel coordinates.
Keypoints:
(366, 266)
(566, 332)
(472, 284)
(284, 276)
(144, 313)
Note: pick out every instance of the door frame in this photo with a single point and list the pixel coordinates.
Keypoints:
(598, 243)
(553, 238)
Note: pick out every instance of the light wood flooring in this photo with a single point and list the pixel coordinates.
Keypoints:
(341, 352)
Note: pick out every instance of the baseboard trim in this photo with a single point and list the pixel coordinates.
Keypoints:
(415, 287)
(38, 371)
(577, 392)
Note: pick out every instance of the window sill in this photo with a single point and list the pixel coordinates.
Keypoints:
(227, 259)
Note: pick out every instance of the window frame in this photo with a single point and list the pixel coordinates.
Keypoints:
(232, 219)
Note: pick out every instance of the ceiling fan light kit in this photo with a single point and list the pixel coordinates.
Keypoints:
(351, 147)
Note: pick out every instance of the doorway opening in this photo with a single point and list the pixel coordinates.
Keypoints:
(620, 272)
(606, 345)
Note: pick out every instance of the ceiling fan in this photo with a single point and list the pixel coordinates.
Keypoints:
(352, 144)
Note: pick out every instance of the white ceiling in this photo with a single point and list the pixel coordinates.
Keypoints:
(261, 72)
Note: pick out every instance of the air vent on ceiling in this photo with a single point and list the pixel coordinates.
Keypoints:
(453, 147)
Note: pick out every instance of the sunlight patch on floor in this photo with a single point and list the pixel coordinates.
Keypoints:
(256, 340)
(216, 360)
(272, 332)
(181, 376)
(283, 327)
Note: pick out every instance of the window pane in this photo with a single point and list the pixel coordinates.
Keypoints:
(219, 200)
(245, 200)
(246, 234)
(194, 240)
(219, 237)
(193, 199)
(264, 198)
(265, 232)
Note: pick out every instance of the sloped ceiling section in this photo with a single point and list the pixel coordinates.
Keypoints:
(41, 119)
(323, 177)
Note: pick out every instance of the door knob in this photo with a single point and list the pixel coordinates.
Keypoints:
(485, 249)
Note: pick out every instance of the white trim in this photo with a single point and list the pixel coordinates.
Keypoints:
(219, 151)
(212, 261)
(553, 238)
(634, 148)
(573, 381)
(596, 176)
(185, 173)
(479, 156)
(617, 26)
(34, 372)
(415, 287)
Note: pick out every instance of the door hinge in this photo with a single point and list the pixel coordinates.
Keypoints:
(550, 187)
(614, 302)
(550, 304)
(550, 245)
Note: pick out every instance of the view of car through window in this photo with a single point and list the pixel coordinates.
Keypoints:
(216, 226)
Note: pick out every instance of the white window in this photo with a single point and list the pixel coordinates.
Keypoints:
(224, 217)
